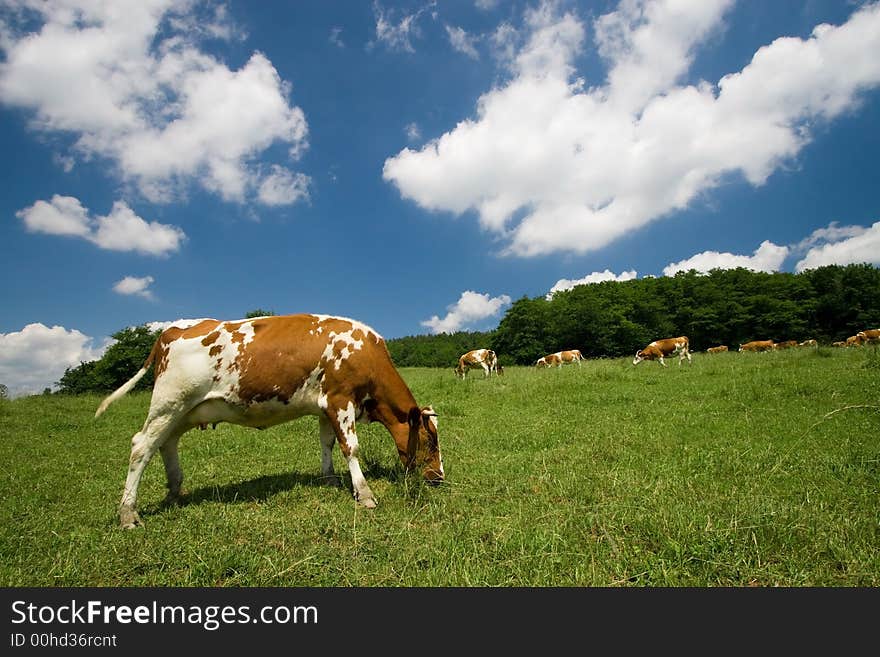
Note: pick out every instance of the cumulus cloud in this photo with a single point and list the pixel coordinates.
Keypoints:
(595, 277)
(767, 257)
(134, 285)
(397, 35)
(552, 164)
(120, 230)
(158, 107)
(471, 307)
(35, 357)
(283, 187)
(831, 233)
(462, 41)
(844, 245)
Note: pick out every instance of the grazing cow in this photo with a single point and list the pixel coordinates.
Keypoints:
(484, 358)
(854, 341)
(809, 343)
(560, 358)
(758, 345)
(717, 350)
(869, 336)
(264, 371)
(839, 343)
(787, 344)
(660, 349)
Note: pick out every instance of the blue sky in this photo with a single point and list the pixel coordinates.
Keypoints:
(415, 165)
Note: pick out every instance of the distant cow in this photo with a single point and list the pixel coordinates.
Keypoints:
(809, 343)
(869, 336)
(660, 349)
(560, 358)
(854, 341)
(484, 358)
(787, 344)
(267, 370)
(717, 350)
(757, 345)
(839, 343)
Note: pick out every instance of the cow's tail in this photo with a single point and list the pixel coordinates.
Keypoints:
(131, 383)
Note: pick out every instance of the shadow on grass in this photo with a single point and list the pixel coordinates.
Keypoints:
(262, 488)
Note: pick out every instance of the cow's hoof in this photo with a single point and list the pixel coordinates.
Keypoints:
(331, 480)
(129, 519)
(367, 501)
(172, 500)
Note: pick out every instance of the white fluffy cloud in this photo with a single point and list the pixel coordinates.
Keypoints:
(471, 307)
(844, 245)
(35, 357)
(283, 187)
(163, 111)
(552, 164)
(121, 230)
(595, 277)
(135, 285)
(767, 257)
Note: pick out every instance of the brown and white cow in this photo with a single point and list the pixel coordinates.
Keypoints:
(787, 344)
(758, 345)
(267, 370)
(839, 343)
(484, 358)
(869, 336)
(809, 343)
(717, 350)
(660, 349)
(854, 341)
(560, 358)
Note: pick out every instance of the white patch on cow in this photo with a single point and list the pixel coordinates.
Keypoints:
(346, 419)
(350, 346)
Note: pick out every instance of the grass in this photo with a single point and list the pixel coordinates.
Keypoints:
(739, 470)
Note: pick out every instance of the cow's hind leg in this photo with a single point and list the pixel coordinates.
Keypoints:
(328, 437)
(173, 473)
(342, 419)
(143, 446)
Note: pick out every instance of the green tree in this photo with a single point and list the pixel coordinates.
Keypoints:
(119, 363)
(259, 312)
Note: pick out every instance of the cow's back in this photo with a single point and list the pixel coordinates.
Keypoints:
(269, 366)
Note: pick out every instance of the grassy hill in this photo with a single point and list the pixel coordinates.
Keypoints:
(741, 469)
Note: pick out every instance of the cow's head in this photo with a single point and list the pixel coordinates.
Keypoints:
(541, 362)
(423, 450)
(499, 369)
(640, 356)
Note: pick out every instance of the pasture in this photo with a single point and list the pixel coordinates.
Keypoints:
(738, 470)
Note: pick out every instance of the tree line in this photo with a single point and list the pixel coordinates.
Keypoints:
(608, 319)
(730, 307)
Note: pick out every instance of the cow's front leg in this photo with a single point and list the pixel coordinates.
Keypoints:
(662, 362)
(342, 419)
(328, 437)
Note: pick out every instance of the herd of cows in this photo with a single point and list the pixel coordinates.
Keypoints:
(263, 371)
(657, 350)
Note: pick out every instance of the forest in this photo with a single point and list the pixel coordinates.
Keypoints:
(609, 319)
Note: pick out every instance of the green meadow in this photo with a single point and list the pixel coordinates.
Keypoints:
(738, 470)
